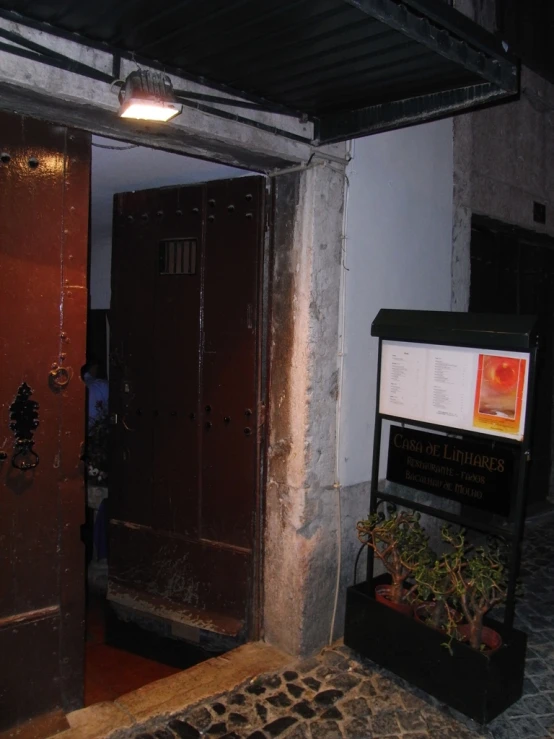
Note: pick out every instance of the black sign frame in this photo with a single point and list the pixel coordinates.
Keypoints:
(479, 331)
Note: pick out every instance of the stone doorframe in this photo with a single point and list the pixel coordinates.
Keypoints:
(299, 541)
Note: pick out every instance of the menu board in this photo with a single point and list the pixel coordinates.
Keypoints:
(468, 389)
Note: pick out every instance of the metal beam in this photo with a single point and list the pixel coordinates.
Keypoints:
(475, 58)
(444, 34)
(229, 116)
(183, 95)
(27, 49)
(461, 26)
(120, 54)
(401, 113)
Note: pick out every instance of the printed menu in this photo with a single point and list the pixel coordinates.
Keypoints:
(459, 387)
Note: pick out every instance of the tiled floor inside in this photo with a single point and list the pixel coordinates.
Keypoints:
(339, 695)
(111, 672)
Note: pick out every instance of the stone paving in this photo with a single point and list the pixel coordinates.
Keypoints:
(340, 695)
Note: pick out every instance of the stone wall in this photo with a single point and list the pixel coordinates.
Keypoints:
(301, 506)
(503, 162)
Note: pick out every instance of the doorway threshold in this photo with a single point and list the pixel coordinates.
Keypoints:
(174, 693)
(192, 618)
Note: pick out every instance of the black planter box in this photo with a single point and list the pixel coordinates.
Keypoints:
(479, 685)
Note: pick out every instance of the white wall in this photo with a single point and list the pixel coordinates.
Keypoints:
(398, 255)
(124, 169)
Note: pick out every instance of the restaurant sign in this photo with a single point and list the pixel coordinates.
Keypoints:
(474, 473)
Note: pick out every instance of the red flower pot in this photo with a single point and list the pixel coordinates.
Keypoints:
(383, 595)
(490, 639)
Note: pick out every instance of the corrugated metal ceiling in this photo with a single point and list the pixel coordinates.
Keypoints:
(319, 57)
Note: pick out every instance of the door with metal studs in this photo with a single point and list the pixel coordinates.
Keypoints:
(184, 396)
(44, 205)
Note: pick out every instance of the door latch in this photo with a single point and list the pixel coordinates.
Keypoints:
(59, 377)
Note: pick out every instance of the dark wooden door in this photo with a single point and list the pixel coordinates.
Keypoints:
(184, 393)
(512, 271)
(44, 204)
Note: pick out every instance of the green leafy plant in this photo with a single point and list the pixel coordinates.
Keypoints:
(478, 579)
(400, 543)
(434, 589)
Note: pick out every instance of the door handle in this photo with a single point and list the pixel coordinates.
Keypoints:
(25, 458)
(59, 377)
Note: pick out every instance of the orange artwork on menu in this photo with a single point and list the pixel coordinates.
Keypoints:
(499, 393)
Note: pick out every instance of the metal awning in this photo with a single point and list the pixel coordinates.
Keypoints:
(353, 67)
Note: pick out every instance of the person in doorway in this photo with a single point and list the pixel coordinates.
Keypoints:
(96, 454)
(97, 391)
(96, 458)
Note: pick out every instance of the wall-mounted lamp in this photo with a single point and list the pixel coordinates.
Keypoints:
(148, 96)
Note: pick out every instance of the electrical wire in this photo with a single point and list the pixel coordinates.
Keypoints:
(115, 148)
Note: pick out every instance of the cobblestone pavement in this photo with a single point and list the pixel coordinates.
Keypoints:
(339, 695)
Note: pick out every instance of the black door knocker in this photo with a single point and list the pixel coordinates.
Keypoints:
(24, 420)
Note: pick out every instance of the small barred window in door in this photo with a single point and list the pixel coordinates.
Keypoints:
(177, 257)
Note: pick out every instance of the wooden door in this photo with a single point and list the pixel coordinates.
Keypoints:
(184, 393)
(512, 271)
(44, 205)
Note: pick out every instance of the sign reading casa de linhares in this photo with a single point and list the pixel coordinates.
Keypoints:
(475, 473)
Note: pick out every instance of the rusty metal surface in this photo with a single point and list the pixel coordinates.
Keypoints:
(184, 386)
(44, 176)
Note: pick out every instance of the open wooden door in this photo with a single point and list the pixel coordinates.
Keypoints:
(44, 205)
(184, 400)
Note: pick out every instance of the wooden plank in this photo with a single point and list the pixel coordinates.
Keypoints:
(21, 618)
(32, 686)
(229, 380)
(184, 572)
(166, 609)
(43, 255)
(72, 413)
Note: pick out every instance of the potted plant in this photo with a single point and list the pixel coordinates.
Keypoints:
(478, 581)
(434, 591)
(401, 544)
(464, 581)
